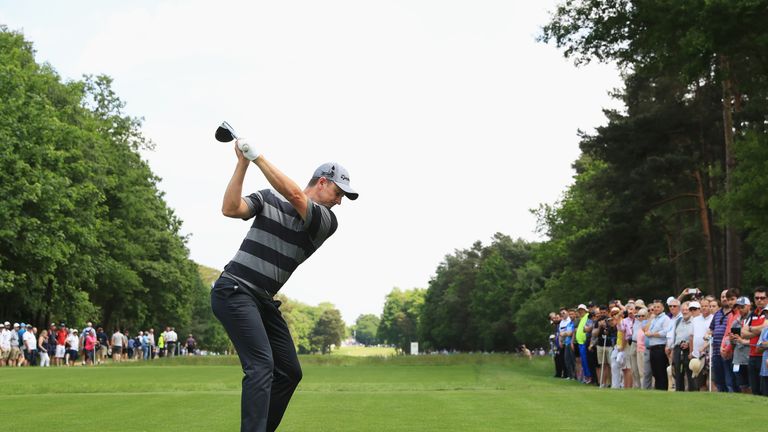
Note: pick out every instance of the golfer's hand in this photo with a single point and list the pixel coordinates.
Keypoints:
(246, 149)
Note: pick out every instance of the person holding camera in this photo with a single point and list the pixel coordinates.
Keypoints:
(606, 330)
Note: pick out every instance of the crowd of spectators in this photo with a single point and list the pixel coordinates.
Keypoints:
(59, 345)
(691, 342)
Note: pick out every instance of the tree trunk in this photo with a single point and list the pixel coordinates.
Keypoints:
(705, 231)
(732, 240)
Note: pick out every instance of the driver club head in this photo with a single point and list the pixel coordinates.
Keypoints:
(225, 133)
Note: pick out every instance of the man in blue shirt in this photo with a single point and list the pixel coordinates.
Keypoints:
(657, 329)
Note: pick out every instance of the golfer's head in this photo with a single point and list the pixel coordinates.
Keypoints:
(330, 183)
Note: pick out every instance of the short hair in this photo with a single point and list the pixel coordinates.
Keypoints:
(761, 289)
(313, 181)
(732, 292)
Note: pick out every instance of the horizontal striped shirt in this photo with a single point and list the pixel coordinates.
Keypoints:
(718, 326)
(278, 240)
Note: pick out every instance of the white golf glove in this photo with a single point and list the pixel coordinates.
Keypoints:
(248, 150)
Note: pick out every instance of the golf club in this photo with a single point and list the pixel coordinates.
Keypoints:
(225, 133)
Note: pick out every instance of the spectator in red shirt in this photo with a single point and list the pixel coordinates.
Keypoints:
(753, 326)
(61, 340)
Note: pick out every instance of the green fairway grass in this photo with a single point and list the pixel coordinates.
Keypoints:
(338, 393)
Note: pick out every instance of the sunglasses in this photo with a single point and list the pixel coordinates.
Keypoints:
(759, 297)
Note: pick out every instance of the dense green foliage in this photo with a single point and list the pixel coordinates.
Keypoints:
(400, 319)
(84, 231)
(328, 331)
(415, 393)
(366, 329)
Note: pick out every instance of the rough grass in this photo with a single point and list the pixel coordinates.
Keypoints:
(338, 393)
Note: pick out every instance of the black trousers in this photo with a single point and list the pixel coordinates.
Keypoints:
(659, 363)
(754, 374)
(267, 355)
(681, 371)
(592, 363)
(560, 364)
(570, 361)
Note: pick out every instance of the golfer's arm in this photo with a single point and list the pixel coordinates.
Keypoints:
(234, 205)
(284, 185)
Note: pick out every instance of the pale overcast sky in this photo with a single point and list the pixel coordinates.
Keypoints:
(451, 119)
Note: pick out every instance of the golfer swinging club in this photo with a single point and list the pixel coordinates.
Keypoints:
(289, 225)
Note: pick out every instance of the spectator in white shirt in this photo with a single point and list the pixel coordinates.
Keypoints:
(5, 343)
(73, 346)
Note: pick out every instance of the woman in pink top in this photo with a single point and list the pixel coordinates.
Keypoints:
(90, 346)
(642, 314)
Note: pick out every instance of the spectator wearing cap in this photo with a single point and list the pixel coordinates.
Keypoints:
(5, 343)
(699, 343)
(14, 357)
(61, 340)
(674, 315)
(751, 330)
(657, 329)
(72, 345)
(30, 346)
(583, 329)
(682, 341)
(741, 345)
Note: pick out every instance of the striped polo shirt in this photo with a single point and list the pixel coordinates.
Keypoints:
(278, 240)
(718, 326)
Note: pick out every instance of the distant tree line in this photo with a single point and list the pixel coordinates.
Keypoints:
(670, 193)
